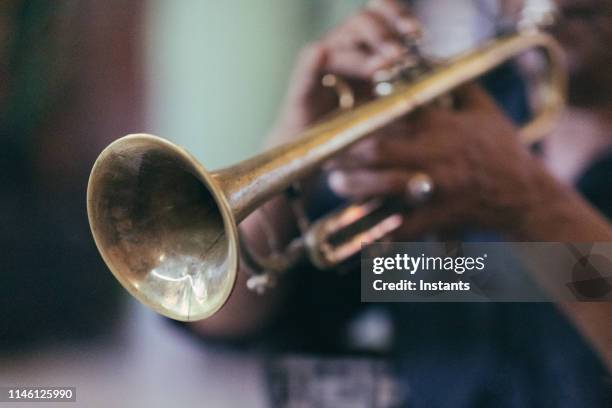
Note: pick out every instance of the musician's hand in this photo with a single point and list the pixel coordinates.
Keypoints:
(483, 176)
(367, 41)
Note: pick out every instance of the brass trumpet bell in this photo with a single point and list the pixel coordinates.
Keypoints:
(163, 227)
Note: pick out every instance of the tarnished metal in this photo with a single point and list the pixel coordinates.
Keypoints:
(167, 228)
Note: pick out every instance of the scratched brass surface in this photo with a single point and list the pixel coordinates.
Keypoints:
(167, 228)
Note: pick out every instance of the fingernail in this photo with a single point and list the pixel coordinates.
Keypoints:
(336, 181)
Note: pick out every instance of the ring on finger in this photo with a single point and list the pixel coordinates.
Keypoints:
(419, 188)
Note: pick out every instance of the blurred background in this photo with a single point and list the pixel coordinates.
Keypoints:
(75, 75)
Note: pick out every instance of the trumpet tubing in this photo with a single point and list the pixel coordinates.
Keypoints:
(167, 228)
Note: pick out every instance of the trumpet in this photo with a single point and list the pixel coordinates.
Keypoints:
(167, 227)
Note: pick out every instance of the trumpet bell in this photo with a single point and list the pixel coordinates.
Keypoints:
(163, 227)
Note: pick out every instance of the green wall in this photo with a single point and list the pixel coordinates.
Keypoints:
(217, 70)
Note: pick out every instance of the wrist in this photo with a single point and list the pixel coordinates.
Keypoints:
(557, 213)
(546, 208)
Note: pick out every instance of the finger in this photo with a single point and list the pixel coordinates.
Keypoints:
(387, 152)
(366, 29)
(363, 45)
(355, 64)
(368, 183)
(397, 15)
(379, 35)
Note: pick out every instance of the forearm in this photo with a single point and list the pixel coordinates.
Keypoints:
(562, 215)
(594, 321)
(558, 214)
